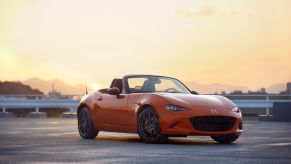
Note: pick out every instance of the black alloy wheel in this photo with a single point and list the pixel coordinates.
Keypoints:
(148, 126)
(85, 124)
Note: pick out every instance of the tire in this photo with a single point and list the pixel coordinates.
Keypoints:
(148, 127)
(85, 124)
(225, 138)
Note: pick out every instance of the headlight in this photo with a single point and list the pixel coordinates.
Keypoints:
(175, 107)
(236, 109)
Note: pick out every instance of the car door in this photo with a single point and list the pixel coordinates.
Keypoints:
(113, 107)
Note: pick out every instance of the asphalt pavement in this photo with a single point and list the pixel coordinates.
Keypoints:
(28, 140)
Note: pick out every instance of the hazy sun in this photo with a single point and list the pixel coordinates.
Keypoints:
(95, 86)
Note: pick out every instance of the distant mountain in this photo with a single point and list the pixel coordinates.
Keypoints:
(214, 87)
(276, 88)
(17, 88)
(60, 86)
(217, 87)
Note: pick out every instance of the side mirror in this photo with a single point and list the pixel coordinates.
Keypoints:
(194, 93)
(113, 91)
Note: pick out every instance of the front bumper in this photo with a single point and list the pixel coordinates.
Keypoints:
(181, 123)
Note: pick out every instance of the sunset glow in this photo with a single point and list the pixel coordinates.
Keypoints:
(95, 87)
(233, 42)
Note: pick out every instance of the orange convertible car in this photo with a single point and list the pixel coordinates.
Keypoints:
(157, 107)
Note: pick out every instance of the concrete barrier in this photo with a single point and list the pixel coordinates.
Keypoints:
(6, 114)
(249, 106)
(69, 115)
(36, 115)
(281, 112)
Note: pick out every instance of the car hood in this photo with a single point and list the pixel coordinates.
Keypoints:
(191, 100)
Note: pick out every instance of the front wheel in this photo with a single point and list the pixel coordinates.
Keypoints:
(148, 126)
(85, 124)
(225, 138)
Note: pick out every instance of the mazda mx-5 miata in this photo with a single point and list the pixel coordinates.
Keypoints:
(157, 107)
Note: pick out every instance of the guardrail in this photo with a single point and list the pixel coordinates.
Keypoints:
(249, 104)
(39, 101)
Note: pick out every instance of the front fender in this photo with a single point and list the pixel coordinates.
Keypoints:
(88, 101)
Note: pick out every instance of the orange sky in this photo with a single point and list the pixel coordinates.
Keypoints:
(245, 42)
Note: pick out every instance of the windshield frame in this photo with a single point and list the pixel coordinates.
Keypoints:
(127, 90)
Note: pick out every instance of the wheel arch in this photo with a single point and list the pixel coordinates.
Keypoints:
(143, 107)
(153, 101)
(82, 105)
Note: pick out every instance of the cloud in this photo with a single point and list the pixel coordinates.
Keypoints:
(204, 10)
(207, 10)
(228, 13)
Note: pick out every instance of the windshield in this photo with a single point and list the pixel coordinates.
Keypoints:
(155, 84)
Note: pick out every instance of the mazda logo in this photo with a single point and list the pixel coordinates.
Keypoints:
(214, 111)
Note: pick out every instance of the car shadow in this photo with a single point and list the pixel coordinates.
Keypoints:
(132, 139)
(171, 141)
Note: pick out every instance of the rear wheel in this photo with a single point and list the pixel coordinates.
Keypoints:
(85, 124)
(225, 138)
(148, 126)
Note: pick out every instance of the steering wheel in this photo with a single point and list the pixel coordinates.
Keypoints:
(171, 90)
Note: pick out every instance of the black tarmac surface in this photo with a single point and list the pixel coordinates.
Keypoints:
(45, 140)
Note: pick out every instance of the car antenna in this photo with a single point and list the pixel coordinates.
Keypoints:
(86, 89)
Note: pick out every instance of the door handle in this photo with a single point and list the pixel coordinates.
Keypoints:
(99, 98)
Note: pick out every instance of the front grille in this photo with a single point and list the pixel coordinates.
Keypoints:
(212, 123)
